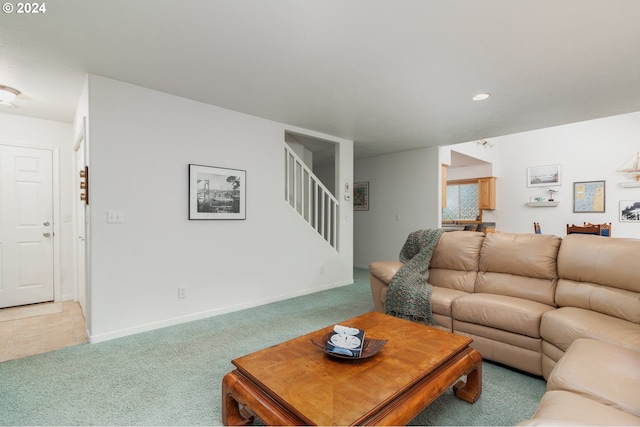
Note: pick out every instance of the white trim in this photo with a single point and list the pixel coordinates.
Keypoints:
(93, 339)
(57, 233)
(79, 139)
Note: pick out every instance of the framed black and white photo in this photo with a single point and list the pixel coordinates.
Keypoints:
(544, 176)
(360, 196)
(217, 193)
(630, 211)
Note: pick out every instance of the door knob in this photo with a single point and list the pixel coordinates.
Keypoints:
(46, 223)
(46, 234)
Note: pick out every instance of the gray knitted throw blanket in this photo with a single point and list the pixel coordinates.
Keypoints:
(409, 294)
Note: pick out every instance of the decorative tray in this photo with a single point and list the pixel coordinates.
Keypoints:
(370, 348)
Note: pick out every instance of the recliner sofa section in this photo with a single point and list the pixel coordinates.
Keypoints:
(493, 289)
(598, 295)
(528, 299)
(453, 272)
(515, 287)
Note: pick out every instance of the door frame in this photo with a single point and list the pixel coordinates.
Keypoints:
(57, 236)
(81, 297)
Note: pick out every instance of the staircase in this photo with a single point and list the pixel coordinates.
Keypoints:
(304, 192)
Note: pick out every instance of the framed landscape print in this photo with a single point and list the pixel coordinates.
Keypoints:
(544, 176)
(216, 193)
(589, 196)
(360, 196)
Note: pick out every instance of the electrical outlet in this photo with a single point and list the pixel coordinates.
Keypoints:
(182, 292)
(115, 217)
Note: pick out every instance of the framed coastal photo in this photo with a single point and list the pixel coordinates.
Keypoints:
(630, 211)
(216, 193)
(360, 196)
(544, 176)
(589, 196)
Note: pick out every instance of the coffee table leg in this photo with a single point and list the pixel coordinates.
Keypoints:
(233, 411)
(470, 390)
(242, 399)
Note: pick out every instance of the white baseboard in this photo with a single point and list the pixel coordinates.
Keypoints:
(93, 339)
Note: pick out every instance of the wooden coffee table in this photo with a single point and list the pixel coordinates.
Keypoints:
(296, 383)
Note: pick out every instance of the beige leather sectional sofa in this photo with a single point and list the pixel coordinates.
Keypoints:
(567, 309)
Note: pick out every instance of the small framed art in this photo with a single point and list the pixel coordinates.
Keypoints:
(217, 193)
(360, 196)
(544, 176)
(630, 211)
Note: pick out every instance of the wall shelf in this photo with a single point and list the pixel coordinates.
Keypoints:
(630, 184)
(542, 204)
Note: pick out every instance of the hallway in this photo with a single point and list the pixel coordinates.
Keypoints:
(38, 328)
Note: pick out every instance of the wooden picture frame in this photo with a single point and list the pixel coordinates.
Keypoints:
(589, 197)
(361, 196)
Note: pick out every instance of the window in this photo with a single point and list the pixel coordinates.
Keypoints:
(462, 202)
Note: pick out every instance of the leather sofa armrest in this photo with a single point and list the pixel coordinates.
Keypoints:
(384, 270)
(381, 273)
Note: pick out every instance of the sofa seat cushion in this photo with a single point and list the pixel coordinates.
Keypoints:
(441, 299)
(562, 326)
(559, 407)
(498, 335)
(600, 371)
(516, 350)
(511, 314)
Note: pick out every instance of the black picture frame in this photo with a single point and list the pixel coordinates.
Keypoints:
(216, 193)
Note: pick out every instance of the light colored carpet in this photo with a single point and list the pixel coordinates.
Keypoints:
(172, 376)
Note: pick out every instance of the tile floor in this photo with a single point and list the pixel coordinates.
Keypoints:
(38, 328)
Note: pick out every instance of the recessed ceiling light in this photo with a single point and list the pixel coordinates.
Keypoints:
(8, 94)
(481, 96)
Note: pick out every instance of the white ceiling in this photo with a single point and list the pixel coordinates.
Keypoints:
(390, 75)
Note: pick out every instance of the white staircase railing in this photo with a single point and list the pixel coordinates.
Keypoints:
(304, 192)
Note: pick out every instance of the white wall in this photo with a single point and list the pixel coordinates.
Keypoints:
(404, 194)
(588, 151)
(141, 142)
(56, 136)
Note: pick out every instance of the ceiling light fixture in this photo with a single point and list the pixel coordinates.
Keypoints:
(481, 96)
(484, 143)
(8, 94)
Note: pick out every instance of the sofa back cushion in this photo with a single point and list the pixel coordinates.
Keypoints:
(454, 263)
(601, 274)
(519, 265)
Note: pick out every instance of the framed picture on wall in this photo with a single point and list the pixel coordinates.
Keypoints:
(544, 176)
(361, 196)
(630, 211)
(589, 196)
(217, 193)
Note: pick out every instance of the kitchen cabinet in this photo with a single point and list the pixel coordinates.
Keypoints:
(487, 193)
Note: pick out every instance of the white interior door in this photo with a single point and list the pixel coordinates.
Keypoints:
(26, 226)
